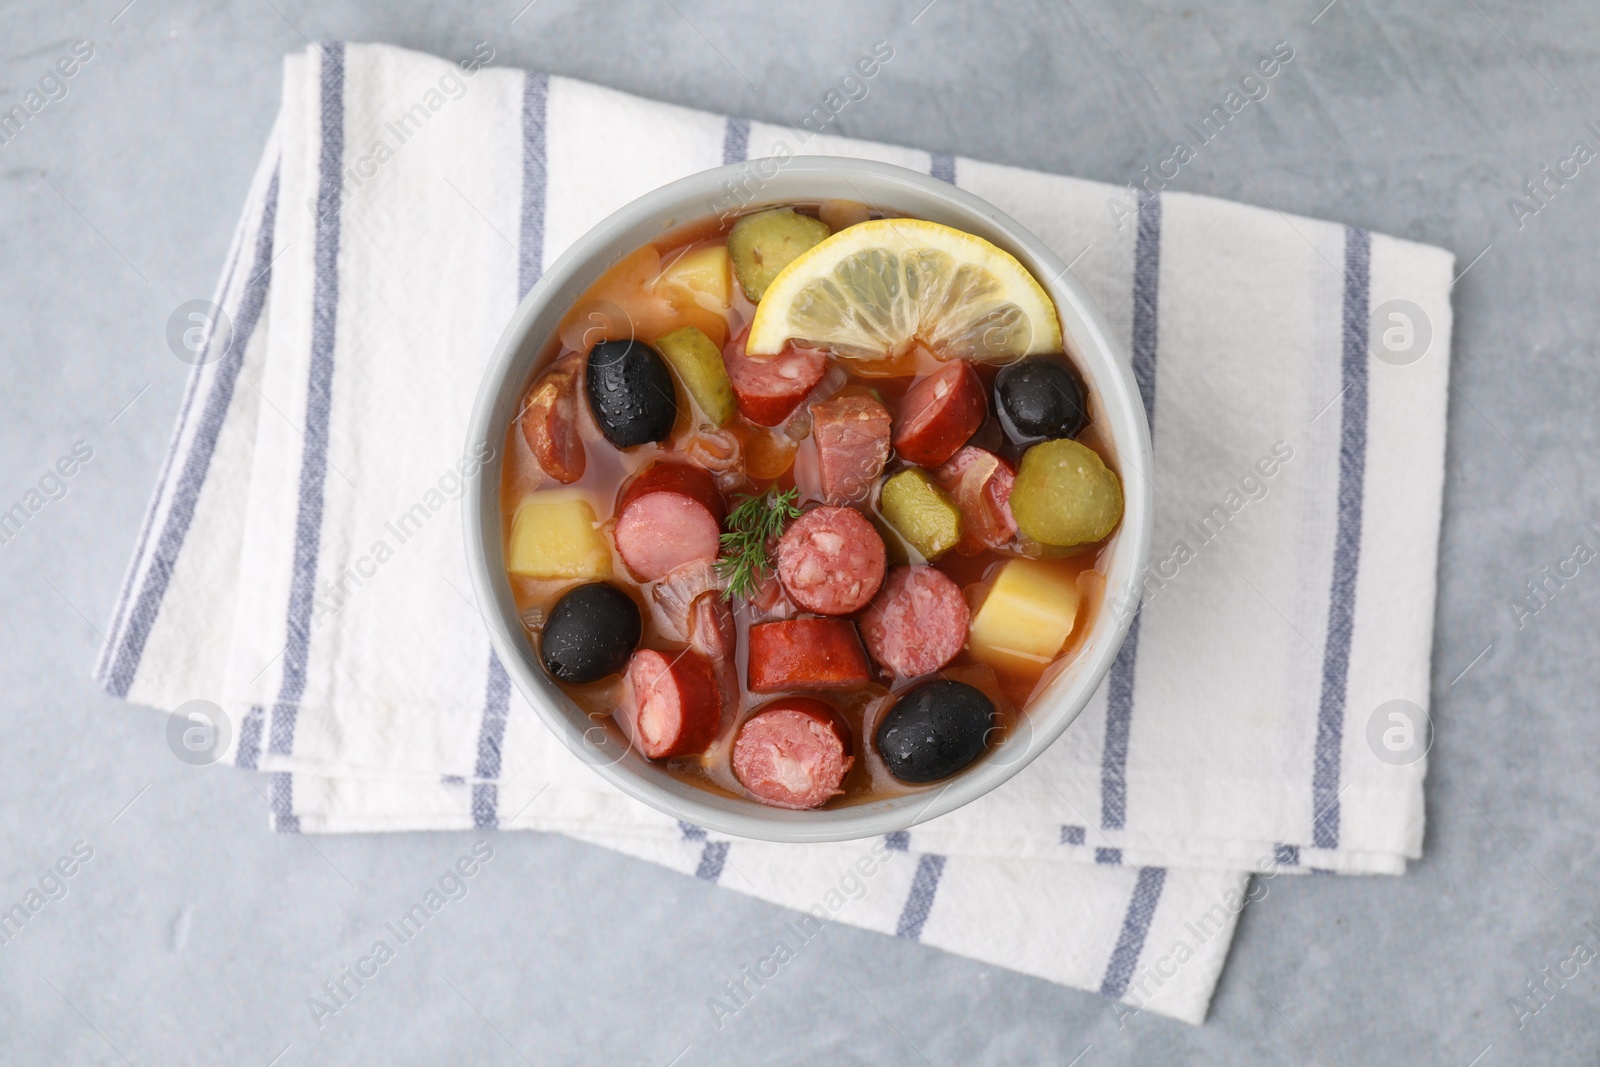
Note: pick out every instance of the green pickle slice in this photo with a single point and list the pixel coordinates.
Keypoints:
(768, 241)
(698, 362)
(921, 512)
(1064, 495)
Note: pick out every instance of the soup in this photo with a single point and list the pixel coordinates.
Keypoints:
(809, 504)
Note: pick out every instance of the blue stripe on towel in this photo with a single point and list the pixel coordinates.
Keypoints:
(942, 165)
(530, 267)
(248, 756)
(122, 668)
(691, 832)
(1073, 835)
(535, 103)
(319, 404)
(736, 141)
(191, 390)
(281, 795)
(1135, 928)
(1286, 855)
(1119, 687)
(711, 861)
(1109, 857)
(1347, 545)
(898, 840)
(496, 703)
(919, 902)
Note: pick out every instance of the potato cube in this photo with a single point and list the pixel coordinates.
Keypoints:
(554, 535)
(700, 271)
(1026, 618)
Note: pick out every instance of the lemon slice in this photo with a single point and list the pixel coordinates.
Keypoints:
(874, 289)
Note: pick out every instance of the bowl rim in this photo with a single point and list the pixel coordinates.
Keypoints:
(1094, 348)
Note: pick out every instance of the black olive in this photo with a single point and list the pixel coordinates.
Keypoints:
(590, 633)
(1040, 397)
(630, 392)
(935, 730)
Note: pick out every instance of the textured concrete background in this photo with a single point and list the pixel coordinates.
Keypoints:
(195, 936)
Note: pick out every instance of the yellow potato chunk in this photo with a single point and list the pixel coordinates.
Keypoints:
(701, 271)
(1026, 618)
(554, 535)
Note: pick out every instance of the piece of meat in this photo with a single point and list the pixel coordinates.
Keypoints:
(671, 704)
(831, 561)
(981, 483)
(550, 422)
(768, 389)
(793, 753)
(669, 515)
(852, 436)
(917, 623)
(806, 654)
(939, 413)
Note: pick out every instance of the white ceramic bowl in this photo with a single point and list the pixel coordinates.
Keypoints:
(1117, 410)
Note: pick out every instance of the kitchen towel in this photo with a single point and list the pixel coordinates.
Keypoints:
(301, 565)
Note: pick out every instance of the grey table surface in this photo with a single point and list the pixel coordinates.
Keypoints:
(195, 935)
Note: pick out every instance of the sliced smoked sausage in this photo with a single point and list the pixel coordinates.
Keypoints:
(939, 414)
(917, 623)
(670, 514)
(550, 422)
(671, 704)
(768, 389)
(831, 561)
(793, 753)
(981, 484)
(806, 654)
(852, 436)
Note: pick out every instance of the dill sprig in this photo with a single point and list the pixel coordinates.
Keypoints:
(754, 522)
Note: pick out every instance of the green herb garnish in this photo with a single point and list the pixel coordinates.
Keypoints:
(754, 522)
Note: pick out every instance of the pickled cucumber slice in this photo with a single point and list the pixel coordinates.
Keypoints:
(699, 366)
(921, 512)
(764, 243)
(1065, 495)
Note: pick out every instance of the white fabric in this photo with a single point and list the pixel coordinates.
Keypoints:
(340, 409)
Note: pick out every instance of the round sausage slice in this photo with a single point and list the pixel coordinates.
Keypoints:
(793, 753)
(831, 560)
(670, 514)
(671, 703)
(939, 414)
(917, 623)
(768, 389)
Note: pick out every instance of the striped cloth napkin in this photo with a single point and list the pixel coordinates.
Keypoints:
(302, 566)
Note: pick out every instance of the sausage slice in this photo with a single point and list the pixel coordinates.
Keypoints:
(768, 389)
(793, 753)
(831, 560)
(806, 654)
(669, 515)
(852, 436)
(917, 623)
(550, 422)
(981, 483)
(671, 703)
(939, 414)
